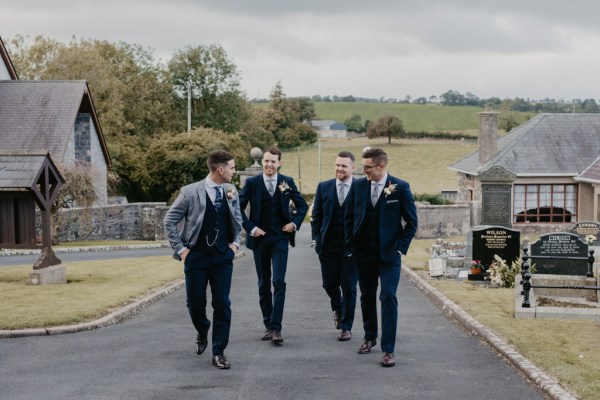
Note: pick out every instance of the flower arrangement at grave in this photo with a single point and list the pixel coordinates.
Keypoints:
(590, 239)
(503, 275)
(476, 267)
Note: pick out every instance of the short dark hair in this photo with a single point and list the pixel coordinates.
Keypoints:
(273, 150)
(378, 155)
(346, 154)
(218, 158)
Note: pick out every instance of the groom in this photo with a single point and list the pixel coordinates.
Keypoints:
(379, 224)
(271, 228)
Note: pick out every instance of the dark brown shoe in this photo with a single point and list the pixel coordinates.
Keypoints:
(337, 318)
(277, 337)
(365, 348)
(345, 335)
(388, 360)
(220, 361)
(201, 342)
(267, 336)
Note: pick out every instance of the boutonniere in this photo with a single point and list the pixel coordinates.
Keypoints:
(230, 193)
(390, 189)
(283, 187)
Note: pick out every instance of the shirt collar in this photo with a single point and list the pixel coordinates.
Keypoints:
(265, 178)
(211, 184)
(382, 181)
(347, 182)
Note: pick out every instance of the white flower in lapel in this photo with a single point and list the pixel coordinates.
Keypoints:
(230, 193)
(283, 187)
(390, 189)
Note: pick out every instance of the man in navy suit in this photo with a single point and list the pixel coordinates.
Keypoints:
(380, 222)
(270, 230)
(206, 244)
(327, 223)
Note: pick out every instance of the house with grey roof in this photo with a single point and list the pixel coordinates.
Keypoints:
(329, 129)
(57, 117)
(540, 176)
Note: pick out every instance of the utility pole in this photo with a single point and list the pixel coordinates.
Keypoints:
(189, 113)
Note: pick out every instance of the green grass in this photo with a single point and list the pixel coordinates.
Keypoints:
(92, 243)
(411, 160)
(415, 118)
(93, 289)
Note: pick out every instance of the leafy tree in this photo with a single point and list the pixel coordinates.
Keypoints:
(217, 99)
(388, 126)
(354, 123)
(172, 161)
(590, 106)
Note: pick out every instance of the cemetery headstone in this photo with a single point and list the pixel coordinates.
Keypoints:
(583, 229)
(499, 240)
(560, 253)
(496, 190)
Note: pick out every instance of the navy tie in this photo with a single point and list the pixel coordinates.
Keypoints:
(218, 198)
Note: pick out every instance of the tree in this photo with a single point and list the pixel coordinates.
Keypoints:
(354, 124)
(217, 100)
(388, 125)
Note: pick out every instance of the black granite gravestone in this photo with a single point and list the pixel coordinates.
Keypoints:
(583, 229)
(498, 240)
(560, 253)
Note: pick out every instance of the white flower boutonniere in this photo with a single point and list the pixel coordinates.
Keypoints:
(390, 189)
(230, 193)
(283, 187)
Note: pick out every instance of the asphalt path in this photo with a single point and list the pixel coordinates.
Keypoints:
(87, 255)
(151, 355)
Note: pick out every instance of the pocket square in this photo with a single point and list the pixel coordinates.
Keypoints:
(391, 201)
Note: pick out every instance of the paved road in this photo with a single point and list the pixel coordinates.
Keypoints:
(150, 356)
(88, 255)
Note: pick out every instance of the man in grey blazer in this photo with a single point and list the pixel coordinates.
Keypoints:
(207, 243)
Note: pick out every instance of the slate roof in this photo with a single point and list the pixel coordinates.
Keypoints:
(7, 61)
(20, 171)
(39, 116)
(591, 174)
(546, 145)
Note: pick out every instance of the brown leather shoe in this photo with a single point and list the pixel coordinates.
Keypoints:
(277, 337)
(337, 318)
(345, 335)
(201, 342)
(267, 336)
(366, 346)
(388, 360)
(220, 361)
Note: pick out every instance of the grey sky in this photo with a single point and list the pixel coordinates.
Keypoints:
(376, 48)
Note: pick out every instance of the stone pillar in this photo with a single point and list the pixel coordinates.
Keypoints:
(488, 135)
(254, 169)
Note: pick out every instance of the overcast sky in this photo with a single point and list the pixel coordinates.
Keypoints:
(365, 48)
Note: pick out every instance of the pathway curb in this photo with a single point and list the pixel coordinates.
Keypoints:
(549, 385)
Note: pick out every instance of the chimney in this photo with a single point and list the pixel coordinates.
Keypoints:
(488, 137)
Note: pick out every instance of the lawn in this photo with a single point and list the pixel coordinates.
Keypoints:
(411, 160)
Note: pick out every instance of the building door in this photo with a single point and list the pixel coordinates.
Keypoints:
(17, 220)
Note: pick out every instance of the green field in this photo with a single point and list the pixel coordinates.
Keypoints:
(415, 118)
(422, 163)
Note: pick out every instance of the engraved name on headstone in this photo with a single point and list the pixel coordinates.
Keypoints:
(493, 240)
(560, 253)
(585, 228)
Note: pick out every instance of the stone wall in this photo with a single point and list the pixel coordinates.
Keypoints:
(136, 221)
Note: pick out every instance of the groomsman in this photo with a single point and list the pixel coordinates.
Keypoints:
(271, 228)
(380, 223)
(207, 243)
(327, 223)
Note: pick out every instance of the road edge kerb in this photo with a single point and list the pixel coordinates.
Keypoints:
(109, 319)
(549, 385)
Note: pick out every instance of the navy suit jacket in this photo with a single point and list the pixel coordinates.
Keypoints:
(325, 199)
(252, 194)
(397, 217)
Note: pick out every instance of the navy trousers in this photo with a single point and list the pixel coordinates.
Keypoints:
(372, 271)
(339, 281)
(272, 251)
(214, 268)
